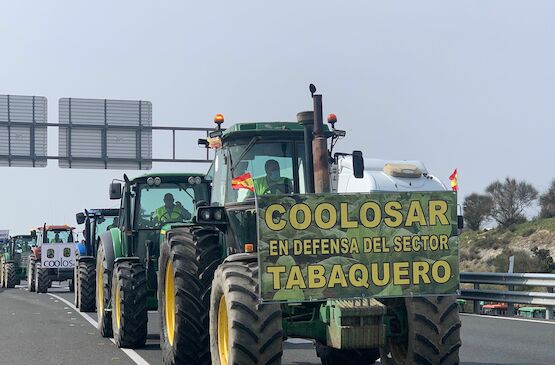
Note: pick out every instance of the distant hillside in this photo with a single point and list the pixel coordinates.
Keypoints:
(488, 250)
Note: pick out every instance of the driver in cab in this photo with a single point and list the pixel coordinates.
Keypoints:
(273, 182)
(170, 211)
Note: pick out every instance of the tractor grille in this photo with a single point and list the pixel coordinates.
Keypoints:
(24, 260)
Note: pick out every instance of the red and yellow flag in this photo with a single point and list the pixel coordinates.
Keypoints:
(243, 182)
(454, 182)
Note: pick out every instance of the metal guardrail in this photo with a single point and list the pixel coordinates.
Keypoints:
(510, 296)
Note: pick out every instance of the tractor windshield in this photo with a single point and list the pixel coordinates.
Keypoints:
(266, 168)
(23, 244)
(59, 236)
(104, 224)
(168, 202)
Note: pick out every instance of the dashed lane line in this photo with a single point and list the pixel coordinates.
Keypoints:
(137, 359)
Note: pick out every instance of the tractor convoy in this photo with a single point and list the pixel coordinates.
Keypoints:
(281, 238)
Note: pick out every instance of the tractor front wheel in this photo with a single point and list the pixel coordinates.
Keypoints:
(85, 286)
(129, 310)
(242, 330)
(41, 279)
(103, 291)
(10, 275)
(188, 259)
(433, 332)
(31, 274)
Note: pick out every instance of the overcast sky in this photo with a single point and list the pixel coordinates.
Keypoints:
(469, 85)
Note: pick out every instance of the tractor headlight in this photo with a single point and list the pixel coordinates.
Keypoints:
(205, 214)
(150, 181)
(198, 180)
(211, 215)
(191, 180)
(157, 181)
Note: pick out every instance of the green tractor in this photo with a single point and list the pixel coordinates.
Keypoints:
(13, 263)
(216, 309)
(127, 256)
(96, 221)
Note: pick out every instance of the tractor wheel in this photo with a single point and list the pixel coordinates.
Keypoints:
(103, 292)
(243, 331)
(129, 310)
(41, 279)
(188, 259)
(31, 274)
(433, 336)
(10, 275)
(2, 285)
(76, 291)
(85, 286)
(331, 356)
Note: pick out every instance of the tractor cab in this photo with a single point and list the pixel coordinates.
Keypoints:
(150, 202)
(96, 221)
(21, 244)
(54, 234)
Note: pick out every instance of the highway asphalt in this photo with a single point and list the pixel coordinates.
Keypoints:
(46, 329)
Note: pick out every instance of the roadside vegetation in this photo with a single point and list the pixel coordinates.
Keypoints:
(531, 242)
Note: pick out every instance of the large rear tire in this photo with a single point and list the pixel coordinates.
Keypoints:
(188, 259)
(10, 275)
(129, 298)
(103, 292)
(433, 336)
(31, 274)
(243, 331)
(85, 286)
(42, 280)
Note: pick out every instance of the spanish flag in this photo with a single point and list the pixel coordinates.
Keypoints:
(454, 182)
(243, 182)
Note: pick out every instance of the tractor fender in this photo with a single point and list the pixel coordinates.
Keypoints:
(81, 249)
(36, 252)
(245, 257)
(111, 242)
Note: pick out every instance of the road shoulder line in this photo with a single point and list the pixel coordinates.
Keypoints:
(133, 355)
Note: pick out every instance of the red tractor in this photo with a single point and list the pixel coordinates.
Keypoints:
(40, 278)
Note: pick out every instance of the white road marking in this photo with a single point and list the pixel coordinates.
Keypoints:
(137, 359)
(507, 318)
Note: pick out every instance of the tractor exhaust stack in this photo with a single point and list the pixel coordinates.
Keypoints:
(320, 149)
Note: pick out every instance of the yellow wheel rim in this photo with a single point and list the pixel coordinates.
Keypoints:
(118, 306)
(223, 332)
(100, 288)
(169, 307)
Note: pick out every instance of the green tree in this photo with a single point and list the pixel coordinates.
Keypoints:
(510, 199)
(477, 208)
(543, 256)
(547, 202)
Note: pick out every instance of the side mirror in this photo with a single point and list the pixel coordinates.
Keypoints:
(460, 221)
(80, 217)
(358, 164)
(115, 191)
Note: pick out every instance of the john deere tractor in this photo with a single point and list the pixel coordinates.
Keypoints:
(364, 276)
(96, 221)
(127, 256)
(13, 263)
(40, 278)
